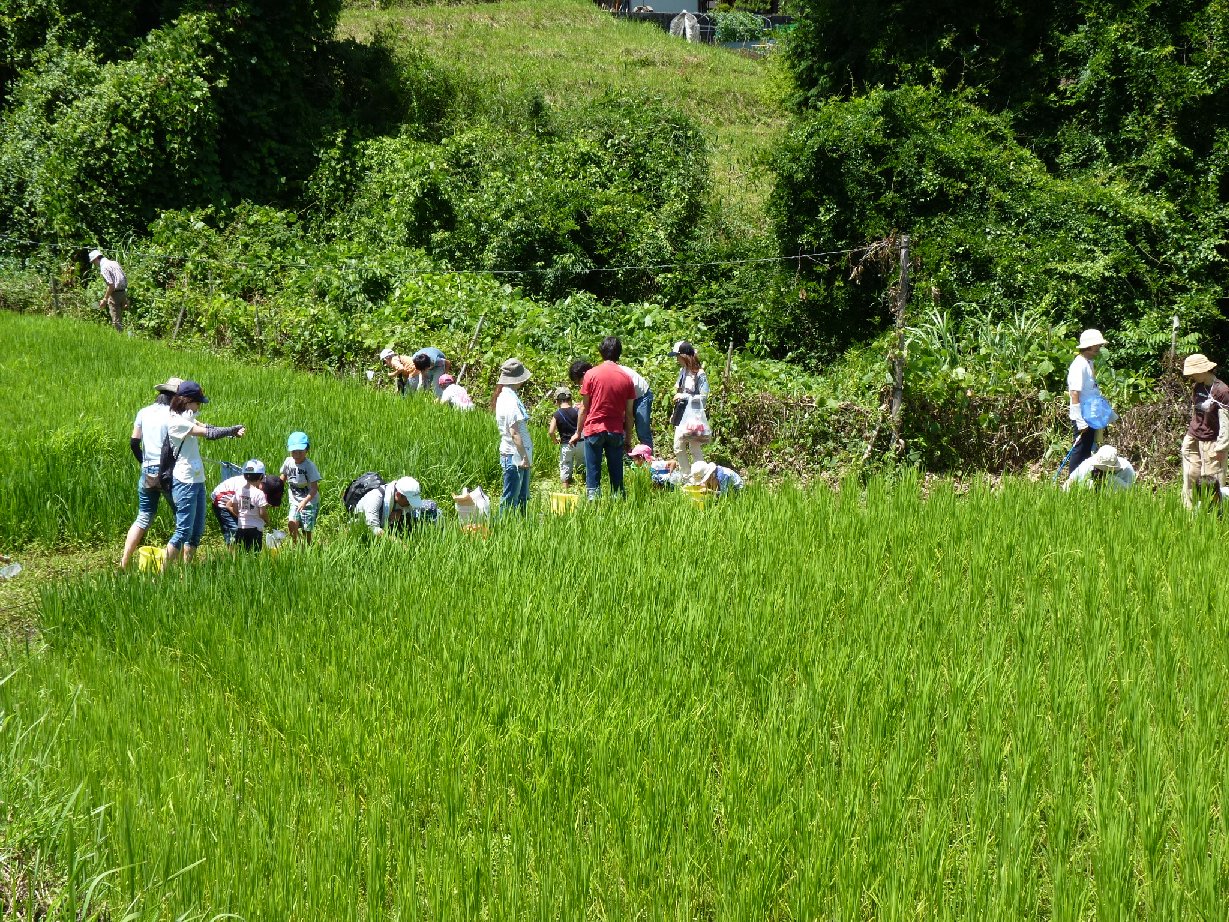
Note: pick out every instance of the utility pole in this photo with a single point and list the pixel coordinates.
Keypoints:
(898, 358)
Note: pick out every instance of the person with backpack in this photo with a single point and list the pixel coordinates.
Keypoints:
(690, 393)
(148, 431)
(181, 464)
(562, 428)
(389, 507)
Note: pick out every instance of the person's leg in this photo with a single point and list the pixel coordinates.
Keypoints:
(566, 462)
(697, 452)
(614, 461)
(523, 497)
(511, 485)
(227, 524)
(1191, 469)
(642, 409)
(197, 503)
(182, 493)
(1085, 441)
(682, 456)
(115, 307)
(292, 523)
(593, 466)
(307, 519)
(147, 507)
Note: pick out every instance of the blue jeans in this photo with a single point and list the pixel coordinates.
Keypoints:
(227, 522)
(642, 411)
(1085, 443)
(610, 445)
(147, 498)
(515, 494)
(189, 514)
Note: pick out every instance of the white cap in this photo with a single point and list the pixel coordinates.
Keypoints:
(1106, 458)
(95, 254)
(408, 487)
(385, 353)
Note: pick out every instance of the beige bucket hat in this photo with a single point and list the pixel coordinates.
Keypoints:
(1197, 364)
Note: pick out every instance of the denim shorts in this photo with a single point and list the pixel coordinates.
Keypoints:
(147, 497)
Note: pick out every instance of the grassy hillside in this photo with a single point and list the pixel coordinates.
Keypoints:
(569, 51)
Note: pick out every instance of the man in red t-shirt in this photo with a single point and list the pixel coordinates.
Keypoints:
(606, 420)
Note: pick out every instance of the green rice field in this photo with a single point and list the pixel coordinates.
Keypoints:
(881, 702)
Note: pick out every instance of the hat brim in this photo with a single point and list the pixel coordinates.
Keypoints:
(414, 502)
(166, 389)
(1099, 342)
(514, 379)
(1200, 369)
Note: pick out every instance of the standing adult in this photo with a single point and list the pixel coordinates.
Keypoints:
(148, 430)
(605, 421)
(116, 297)
(642, 406)
(690, 388)
(399, 368)
(1207, 436)
(429, 366)
(515, 445)
(1082, 387)
(188, 488)
(387, 508)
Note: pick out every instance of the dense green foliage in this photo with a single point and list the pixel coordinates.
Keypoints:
(1071, 158)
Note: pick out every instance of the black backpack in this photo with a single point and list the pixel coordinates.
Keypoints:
(360, 487)
(166, 463)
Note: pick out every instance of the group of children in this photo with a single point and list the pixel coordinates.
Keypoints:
(241, 503)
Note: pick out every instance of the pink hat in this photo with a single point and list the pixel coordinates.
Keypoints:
(641, 451)
(445, 380)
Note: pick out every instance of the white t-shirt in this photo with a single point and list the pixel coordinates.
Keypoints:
(300, 477)
(510, 413)
(1080, 378)
(457, 396)
(639, 381)
(189, 468)
(249, 500)
(151, 420)
(226, 489)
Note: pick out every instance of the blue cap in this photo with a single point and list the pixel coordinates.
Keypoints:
(297, 441)
(192, 391)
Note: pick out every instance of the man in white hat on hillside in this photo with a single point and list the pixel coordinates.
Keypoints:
(1207, 437)
(1082, 385)
(1105, 468)
(116, 297)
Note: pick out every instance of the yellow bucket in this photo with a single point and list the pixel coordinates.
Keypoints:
(699, 496)
(151, 559)
(563, 503)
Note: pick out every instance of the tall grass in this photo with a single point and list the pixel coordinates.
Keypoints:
(793, 705)
(70, 396)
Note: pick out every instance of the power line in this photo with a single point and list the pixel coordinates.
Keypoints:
(353, 265)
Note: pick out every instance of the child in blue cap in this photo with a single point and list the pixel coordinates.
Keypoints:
(300, 474)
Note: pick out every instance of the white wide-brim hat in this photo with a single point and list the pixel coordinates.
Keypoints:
(1090, 338)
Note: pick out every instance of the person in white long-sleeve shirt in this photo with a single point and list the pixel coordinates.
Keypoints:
(393, 505)
(1106, 468)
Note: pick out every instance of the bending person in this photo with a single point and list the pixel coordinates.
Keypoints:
(188, 487)
(1105, 468)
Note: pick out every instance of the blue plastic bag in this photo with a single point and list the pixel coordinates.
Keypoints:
(1097, 412)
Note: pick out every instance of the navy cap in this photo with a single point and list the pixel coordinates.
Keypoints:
(192, 391)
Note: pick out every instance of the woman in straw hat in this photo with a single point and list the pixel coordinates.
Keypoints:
(1207, 437)
(515, 446)
(1082, 385)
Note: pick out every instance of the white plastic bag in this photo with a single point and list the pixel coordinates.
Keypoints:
(472, 505)
(694, 422)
